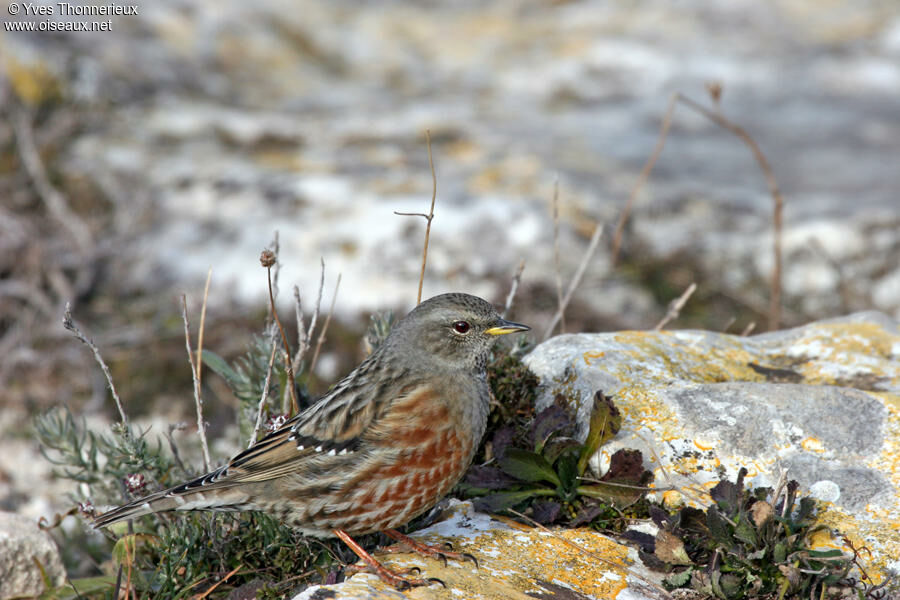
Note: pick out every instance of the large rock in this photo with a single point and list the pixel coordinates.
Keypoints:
(22, 546)
(514, 562)
(822, 401)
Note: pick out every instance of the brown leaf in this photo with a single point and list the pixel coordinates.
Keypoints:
(670, 549)
(761, 512)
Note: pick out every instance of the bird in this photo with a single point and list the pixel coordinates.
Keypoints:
(380, 448)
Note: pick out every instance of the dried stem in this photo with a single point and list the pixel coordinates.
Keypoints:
(675, 306)
(69, 324)
(51, 197)
(202, 328)
(748, 329)
(315, 315)
(576, 280)
(301, 331)
(642, 178)
(559, 291)
(288, 363)
(198, 401)
(516, 280)
(265, 391)
(428, 218)
(321, 339)
(777, 217)
(716, 117)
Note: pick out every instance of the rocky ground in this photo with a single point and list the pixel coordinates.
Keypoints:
(183, 138)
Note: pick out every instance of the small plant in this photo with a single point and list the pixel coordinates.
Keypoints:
(749, 543)
(549, 478)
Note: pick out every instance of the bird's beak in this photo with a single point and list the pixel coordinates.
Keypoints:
(503, 327)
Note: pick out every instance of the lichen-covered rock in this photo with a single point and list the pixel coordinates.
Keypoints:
(822, 401)
(515, 562)
(22, 546)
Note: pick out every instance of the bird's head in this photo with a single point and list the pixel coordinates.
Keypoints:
(455, 330)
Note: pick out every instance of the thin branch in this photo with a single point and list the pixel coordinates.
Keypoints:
(576, 280)
(748, 329)
(265, 391)
(559, 292)
(267, 259)
(675, 306)
(69, 324)
(202, 328)
(642, 178)
(301, 331)
(517, 278)
(325, 326)
(54, 200)
(721, 121)
(315, 315)
(198, 401)
(428, 218)
(716, 117)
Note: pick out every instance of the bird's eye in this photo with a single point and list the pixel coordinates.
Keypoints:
(461, 327)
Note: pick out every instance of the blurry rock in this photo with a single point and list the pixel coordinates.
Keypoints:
(22, 545)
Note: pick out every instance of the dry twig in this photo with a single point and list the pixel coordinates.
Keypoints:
(54, 200)
(198, 401)
(576, 280)
(321, 339)
(301, 331)
(559, 292)
(265, 391)
(267, 259)
(428, 218)
(516, 280)
(675, 306)
(716, 117)
(642, 178)
(202, 328)
(69, 324)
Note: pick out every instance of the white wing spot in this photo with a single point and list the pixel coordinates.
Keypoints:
(301, 447)
(342, 452)
(318, 448)
(331, 452)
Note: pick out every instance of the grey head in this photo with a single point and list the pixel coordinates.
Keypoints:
(450, 332)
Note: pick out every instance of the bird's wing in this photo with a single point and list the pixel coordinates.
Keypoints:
(333, 427)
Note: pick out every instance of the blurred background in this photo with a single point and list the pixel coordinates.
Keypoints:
(134, 160)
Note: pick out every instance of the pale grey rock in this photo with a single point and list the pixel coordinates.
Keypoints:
(21, 544)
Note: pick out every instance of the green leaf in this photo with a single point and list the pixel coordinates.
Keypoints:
(677, 580)
(81, 588)
(503, 500)
(528, 466)
(779, 554)
(745, 531)
(220, 367)
(568, 476)
(606, 420)
(719, 528)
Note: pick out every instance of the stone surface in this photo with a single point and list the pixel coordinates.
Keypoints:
(822, 401)
(515, 562)
(21, 544)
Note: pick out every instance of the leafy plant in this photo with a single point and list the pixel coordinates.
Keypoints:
(749, 543)
(550, 477)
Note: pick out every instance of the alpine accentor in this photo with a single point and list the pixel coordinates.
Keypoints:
(379, 449)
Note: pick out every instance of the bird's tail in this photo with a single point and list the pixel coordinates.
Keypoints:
(200, 494)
